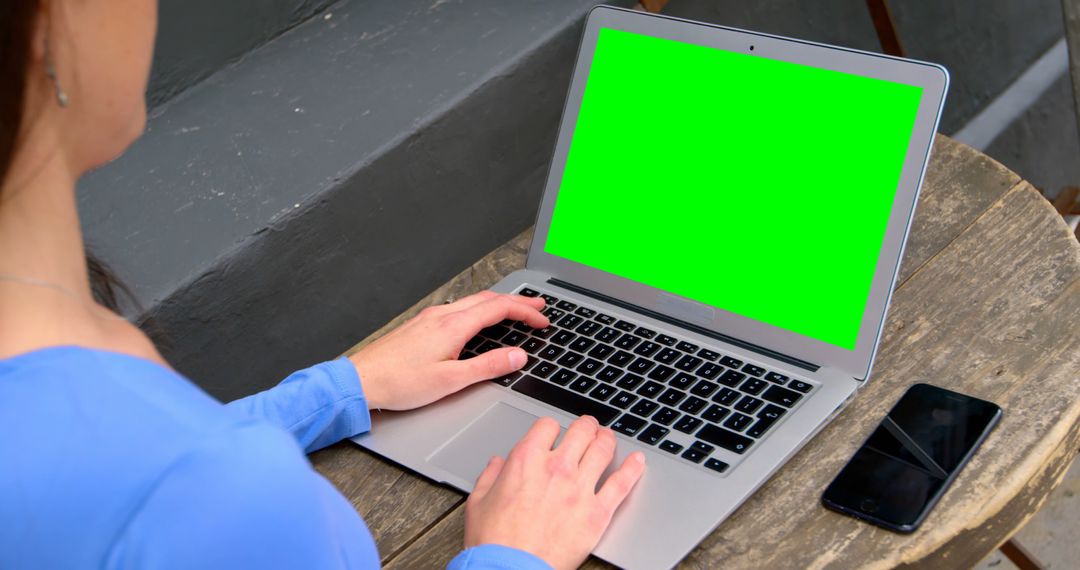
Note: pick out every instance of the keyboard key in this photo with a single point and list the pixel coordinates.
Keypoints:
(589, 328)
(688, 363)
(687, 424)
(630, 381)
(693, 405)
(628, 424)
(623, 400)
(776, 378)
(549, 299)
(606, 319)
(716, 465)
(644, 332)
(530, 361)
(494, 332)
(514, 338)
(800, 386)
(687, 347)
(609, 374)
(710, 370)
(748, 404)
(653, 434)
(702, 447)
(754, 386)
(566, 305)
(693, 455)
(570, 321)
(670, 446)
(682, 381)
(608, 334)
(582, 344)
(553, 314)
(544, 332)
(665, 416)
(526, 292)
(753, 370)
(731, 378)
(562, 338)
(474, 342)
(726, 396)
(627, 341)
(465, 355)
(726, 439)
(625, 326)
(715, 414)
(731, 362)
(544, 369)
(708, 355)
(782, 396)
(704, 389)
(661, 373)
(563, 377)
(647, 348)
(760, 427)
(570, 359)
(621, 358)
(602, 392)
(508, 379)
(669, 341)
(644, 407)
(550, 352)
(533, 345)
(668, 355)
(587, 313)
(582, 384)
(601, 351)
(771, 411)
(488, 345)
(651, 389)
(564, 399)
(641, 365)
(738, 422)
(672, 397)
(590, 366)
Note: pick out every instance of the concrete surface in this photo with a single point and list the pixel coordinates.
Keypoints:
(1052, 534)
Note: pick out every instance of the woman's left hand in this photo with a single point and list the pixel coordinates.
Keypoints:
(417, 363)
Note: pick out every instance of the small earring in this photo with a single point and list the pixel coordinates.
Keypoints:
(61, 96)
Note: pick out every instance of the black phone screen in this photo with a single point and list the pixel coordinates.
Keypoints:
(904, 466)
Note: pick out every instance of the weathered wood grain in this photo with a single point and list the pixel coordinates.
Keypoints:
(988, 304)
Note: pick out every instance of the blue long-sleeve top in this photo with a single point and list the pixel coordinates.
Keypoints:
(112, 461)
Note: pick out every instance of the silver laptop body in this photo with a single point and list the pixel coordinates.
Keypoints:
(679, 501)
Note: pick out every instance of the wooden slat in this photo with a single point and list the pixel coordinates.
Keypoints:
(885, 27)
(1071, 10)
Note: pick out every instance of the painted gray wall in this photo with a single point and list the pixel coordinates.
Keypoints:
(198, 37)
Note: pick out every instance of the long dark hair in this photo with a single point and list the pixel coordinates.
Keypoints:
(16, 35)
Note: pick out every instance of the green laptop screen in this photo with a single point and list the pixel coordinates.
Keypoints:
(753, 185)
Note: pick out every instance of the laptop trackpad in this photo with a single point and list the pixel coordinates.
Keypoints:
(495, 432)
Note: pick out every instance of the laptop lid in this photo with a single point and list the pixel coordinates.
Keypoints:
(750, 185)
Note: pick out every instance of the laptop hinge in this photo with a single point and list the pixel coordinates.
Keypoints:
(689, 326)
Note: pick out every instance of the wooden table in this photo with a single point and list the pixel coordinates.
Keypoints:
(987, 303)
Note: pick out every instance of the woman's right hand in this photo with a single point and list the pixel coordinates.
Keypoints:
(544, 501)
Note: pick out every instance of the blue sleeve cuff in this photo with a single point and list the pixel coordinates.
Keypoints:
(496, 557)
(347, 380)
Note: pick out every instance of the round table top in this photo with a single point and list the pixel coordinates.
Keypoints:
(987, 303)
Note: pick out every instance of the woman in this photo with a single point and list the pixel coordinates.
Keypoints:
(113, 460)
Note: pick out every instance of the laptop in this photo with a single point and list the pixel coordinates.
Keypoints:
(717, 242)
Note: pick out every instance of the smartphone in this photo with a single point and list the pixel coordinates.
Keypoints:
(904, 467)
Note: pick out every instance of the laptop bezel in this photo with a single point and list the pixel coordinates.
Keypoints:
(932, 78)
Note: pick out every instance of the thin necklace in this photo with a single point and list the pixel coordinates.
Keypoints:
(102, 312)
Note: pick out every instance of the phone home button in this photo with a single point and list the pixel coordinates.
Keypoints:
(868, 505)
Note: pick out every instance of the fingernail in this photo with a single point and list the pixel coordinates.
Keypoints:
(517, 358)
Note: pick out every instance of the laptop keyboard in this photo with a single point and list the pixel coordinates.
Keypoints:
(641, 383)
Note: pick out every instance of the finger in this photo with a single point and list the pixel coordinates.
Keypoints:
(622, 481)
(597, 457)
(540, 437)
(578, 436)
(491, 364)
(488, 477)
(495, 310)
